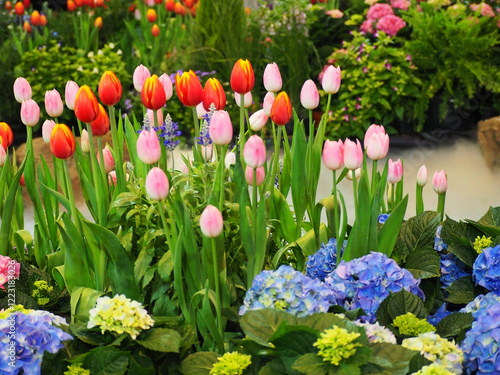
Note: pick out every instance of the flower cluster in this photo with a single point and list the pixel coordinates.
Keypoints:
(409, 325)
(365, 282)
(452, 269)
(232, 363)
(119, 314)
(381, 17)
(25, 335)
(481, 302)
(377, 333)
(440, 313)
(437, 350)
(323, 262)
(439, 244)
(481, 243)
(434, 369)
(288, 290)
(336, 344)
(170, 133)
(42, 292)
(382, 218)
(9, 268)
(76, 369)
(486, 268)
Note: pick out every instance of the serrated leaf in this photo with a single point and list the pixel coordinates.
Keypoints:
(400, 303)
(160, 340)
(199, 363)
(260, 325)
(491, 217)
(293, 341)
(392, 359)
(420, 230)
(311, 364)
(319, 321)
(107, 360)
(423, 263)
(462, 291)
(453, 324)
(276, 367)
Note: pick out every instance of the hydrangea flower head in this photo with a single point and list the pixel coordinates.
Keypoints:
(409, 325)
(379, 10)
(452, 269)
(8, 268)
(481, 243)
(440, 313)
(481, 302)
(434, 369)
(390, 24)
(377, 333)
(323, 262)
(439, 244)
(288, 290)
(76, 369)
(336, 344)
(119, 314)
(232, 363)
(486, 268)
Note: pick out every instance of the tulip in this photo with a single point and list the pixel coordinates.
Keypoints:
(167, 85)
(140, 75)
(221, 128)
(242, 77)
(357, 174)
(22, 89)
(373, 129)
(179, 9)
(260, 174)
(309, 95)
(281, 111)
(353, 154)
(189, 89)
(98, 23)
(170, 5)
(200, 111)
(155, 30)
(272, 78)
(439, 182)
(377, 146)
(110, 89)
(47, 127)
(84, 141)
(214, 93)
(268, 103)
(71, 6)
(395, 171)
(53, 103)
(153, 95)
(86, 105)
(211, 222)
(7, 134)
(247, 99)
(30, 113)
(230, 159)
(331, 80)
(151, 15)
(43, 20)
(3, 154)
(8, 6)
(422, 176)
(157, 185)
(70, 92)
(333, 154)
(100, 126)
(207, 151)
(148, 146)
(254, 152)
(258, 120)
(19, 8)
(27, 27)
(112, 178)
(35, 18)
(109, 160)
(62, 142)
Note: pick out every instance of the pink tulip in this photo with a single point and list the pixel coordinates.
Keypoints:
(373, 129)
(333, 154)
(260, 175)
(357, 174)
(331, 80)
(254, 152)
(272, 78)
(309, 95)
(148, 146)
(211, 222)
(268, 103)
(395, 171)
(53, 103)
(30, 113)
(207, 151)
(22, 89)
(84, 141)
(200, 111)
(377, 146)
(247, 99)
(258, 120)
(47, 127)
(70, 92)
(353, 154)
(109, 160)
(3, 156)
(157, 185)
(112, 178)
(230, 159)
(440, 182)
(141, 73)
(422, 176)
(151, 116)
(221, 128)
(167, 85)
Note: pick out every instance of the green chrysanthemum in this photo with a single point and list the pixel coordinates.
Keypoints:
(336, 344)
(233, 363)
(408, 324)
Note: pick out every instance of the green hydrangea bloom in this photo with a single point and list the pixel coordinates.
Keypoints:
(408, 324)
(4, 314)
(482, 243)
(76, 369)
(42, 292)
(433, 369)
(336, 344)
(233, 363)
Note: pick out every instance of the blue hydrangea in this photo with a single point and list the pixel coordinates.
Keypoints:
(482, 342)
(288, 290)
(486, 268)
(452, 269)
(481, 302)
(36, 332)
(323, 262)
(441, 312)
(439, 244)
(365, 282)
(382, 218)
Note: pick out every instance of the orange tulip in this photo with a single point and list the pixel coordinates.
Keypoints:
(100, 126)
(78, 3)
(281, 111)
(43, 20)
(179, 9)
(214, 94)
(6, 134)
(98, 23)
(153, 95)
(110, 88)
(3, 148)
(188, 3)
(35, 18)
(19, 8)
(62, 141)
(155, 30)
(189, 89)
(70, 5)
(242, 77)
(86, 105)
(151, 15)
(99, 3)
(8, 6)
(170, 5)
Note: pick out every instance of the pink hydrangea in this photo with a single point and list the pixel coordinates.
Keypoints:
(485, 9)
(367, 27)
(400, 4)
(377, 11)
(390, 24)
(9, 268)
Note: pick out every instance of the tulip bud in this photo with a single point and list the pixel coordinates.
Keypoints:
(258, 120)
(268, 103)
(157, 185)
(353, 154)
(440, 182)
(22, 89)
(254, 152)
(109, 160)
(19, 8)
(84, 141)
(207, 152)
(377, 146)
(98, 23)
(112, 178)
(309, 95)
(357, 174)
(281, 111)
(140, 75)
(148, 146)
(3, 155)
(155, 30)
(167, 85)
(372, 129)
(30, 113)
(47, 127)
(272, 78)
(422, 176)
(333, 154)
(86, 105)
(151, 15)
(221, 128)
(214, 93)
(189, 89)
(110, 88)
(100, 126)
(200, 111)
(70, 92)
(170, 5)
(331, 80)
(62, 142)
(27, 27)
(242, 77)
(260, 174)
(6, 134)
(247, 99)
(35, 18)
(211, 222)
(43, 20)
(395, 171)
(53, 103)
(230, 159)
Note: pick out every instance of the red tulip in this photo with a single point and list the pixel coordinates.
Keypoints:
(19, 8)
(6, 134)
(86, 105)
(35, 18)
(242, 77)
(189, 89)
(70, 5)
(151, 15)
(110, 89)
(152, 94)
(214, 94)
(155, 30)
(100, 126)
(8, 6)
(281, 111)
(170, 5)
(62, 142)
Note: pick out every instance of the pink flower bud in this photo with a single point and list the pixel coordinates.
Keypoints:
(260, 175)
(151, 116)
(333, 154)
(230, 159)
(254, 152)
(148, 146)
(353, 154)
(247, 99)
(377, 146)
(22, 89)
(258, 120)
(157, 185)
(47, 127)
(207, 151)
(167, 85)
(53, 103)
(141, 73)
(84, 141)
(30, 112)
(268, 103)
(272, 78)
(112, 178)
(309, 95)
(372, 129)
(109, 160)
(395, 171)
(70, 92)
(200, 111)
(440, 182)
(3, 156)
(422, 176)
(211, 222)
(331, 80)
(221, 128)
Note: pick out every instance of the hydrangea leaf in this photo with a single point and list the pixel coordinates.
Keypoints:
(161, 340)
(260, 325)
(391, 359)
(141, 365)
(320, 321)
(294, 341)
(107, 361)
(199, 363)
(423, 263)
(453, 324)
(461, 291)
(311, 364)
(400, 303)
(276, 367)
(459, 236)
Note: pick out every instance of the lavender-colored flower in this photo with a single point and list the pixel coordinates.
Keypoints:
(323, 262)
(439, 244)
(170, 133)
(452, 269)
(486, 268)
(382, 218)
(441, 312)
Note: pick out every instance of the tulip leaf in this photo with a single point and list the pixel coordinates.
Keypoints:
(389, 232)
(299, 192)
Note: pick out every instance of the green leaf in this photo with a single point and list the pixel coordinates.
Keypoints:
(462, 291)
(107, 361)
(299, 146)
(389, 232)
(311, 364)
(320, 321)
(423, 263)
(160, 339)
(287, 223)
(276, 367)
(294, 341)
(141, 365)
(453, 324)
(261, 325)
(199, 363)
(420, 231)
(491, 217)
(400, 303)
(391, 358)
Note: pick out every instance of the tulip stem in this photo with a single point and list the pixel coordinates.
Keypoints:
(374, 177)
(118, 150)
(420, 200)
(336, 211)
(355, 190)
(440, 206)
(242, 128)
(196, 149)
(217, 286)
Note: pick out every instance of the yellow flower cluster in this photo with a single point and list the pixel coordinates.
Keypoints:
(120, 314)
(4, 314)
(76, 369)
(433, 369)
(336, 344)
(233, 363)
(408, 324)
(42, 292)
(482, 243)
